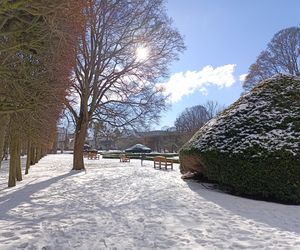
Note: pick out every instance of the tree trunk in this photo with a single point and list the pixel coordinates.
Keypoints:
(54, 147)
(28, 160)
(38, 154)
(32, 154)
(43, 151)
(80, 134)
(18, 160)
(4, 120)
(13, 150)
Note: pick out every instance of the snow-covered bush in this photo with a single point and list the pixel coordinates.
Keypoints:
(253, 147)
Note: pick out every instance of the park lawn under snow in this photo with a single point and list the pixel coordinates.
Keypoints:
(117, 205)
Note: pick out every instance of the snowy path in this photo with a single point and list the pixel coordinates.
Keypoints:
(125, 206)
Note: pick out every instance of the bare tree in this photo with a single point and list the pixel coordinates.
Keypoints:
(213, 108)
(4, 121)
(127, 47)
(281, 56)
(191, 119)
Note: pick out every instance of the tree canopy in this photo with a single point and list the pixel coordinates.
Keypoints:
(191, 119)
(282, 55)
(127, 47)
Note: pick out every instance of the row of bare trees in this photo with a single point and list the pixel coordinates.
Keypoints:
(38, 40)
(104, 56)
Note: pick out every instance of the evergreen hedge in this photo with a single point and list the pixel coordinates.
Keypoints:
(252, 148)
(273, 176)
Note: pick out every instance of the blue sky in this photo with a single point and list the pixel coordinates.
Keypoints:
(223, 38)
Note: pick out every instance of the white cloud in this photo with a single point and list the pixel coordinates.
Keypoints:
(185, 83)
(242, 77)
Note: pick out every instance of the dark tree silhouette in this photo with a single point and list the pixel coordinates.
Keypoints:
(191, 119)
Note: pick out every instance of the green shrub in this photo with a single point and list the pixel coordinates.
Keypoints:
(271, 176)
(252, 148)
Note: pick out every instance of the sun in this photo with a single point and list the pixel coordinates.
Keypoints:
(142, 53)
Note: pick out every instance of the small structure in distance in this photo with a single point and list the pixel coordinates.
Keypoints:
(138, 148)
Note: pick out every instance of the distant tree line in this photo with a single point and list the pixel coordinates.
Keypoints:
(167, 139)
(193, 118)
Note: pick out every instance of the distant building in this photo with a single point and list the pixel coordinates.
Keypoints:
(138, 148)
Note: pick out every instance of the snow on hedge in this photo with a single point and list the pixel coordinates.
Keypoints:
(268, 117)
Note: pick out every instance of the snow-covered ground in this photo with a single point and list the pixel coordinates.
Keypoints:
(117, 205)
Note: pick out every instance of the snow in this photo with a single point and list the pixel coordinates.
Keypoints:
(256, 119)
(117, 205)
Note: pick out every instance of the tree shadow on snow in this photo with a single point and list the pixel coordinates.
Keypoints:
(285, 217)
(24, 194)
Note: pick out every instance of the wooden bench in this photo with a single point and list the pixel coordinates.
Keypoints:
(161, 161)
(92, 156)
(124, 158)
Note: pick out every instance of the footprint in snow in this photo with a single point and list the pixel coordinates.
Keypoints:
(8, 234)
(140, 219)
